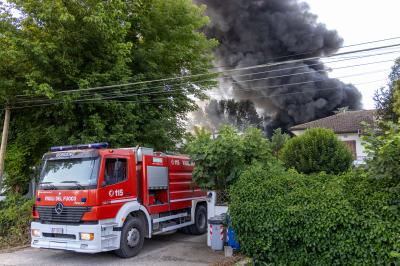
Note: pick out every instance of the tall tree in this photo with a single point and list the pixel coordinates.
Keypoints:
(59, 49)
(384, 97)
(240, 114)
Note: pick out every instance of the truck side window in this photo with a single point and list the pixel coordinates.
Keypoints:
(115, 170)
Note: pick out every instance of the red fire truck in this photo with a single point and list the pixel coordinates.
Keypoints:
(92, 199)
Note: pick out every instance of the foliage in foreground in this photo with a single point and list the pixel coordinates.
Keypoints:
(15, 216)
(317, 150)
(219, 161)
(285, 218)
(52, 50)
(383, 149)
(278, 141)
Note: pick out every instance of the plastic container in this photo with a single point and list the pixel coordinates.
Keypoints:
(217, 232)
(232, 239)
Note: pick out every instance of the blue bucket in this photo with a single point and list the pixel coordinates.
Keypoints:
(231, 239)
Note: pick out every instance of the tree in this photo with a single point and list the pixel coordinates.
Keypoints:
(256, 148)
(60, 48)
(317, 150)
(384, 97)
(396, 100)
(278, 140)
(240, 114)
(219, 161)
(383, 149)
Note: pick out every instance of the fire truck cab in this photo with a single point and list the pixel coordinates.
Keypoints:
(92, 199)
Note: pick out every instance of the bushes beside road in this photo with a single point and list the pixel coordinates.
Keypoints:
(300, 215)
(283, 218)
(15, 216)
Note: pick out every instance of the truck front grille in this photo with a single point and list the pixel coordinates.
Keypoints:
(67, 215)
(66, 236)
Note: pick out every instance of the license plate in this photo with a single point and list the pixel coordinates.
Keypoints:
(57, 230)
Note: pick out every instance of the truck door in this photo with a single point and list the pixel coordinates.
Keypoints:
(117, 184)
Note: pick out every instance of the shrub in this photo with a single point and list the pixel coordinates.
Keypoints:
(383, 149)
(219, 161)
(15, 217)
(317, 150)
(278, 141)
(256, 147)
(17, 168)
(285, 218)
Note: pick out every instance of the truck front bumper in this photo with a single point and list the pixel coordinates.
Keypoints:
(105, 239)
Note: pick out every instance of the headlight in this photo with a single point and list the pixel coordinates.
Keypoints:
(86, 236)
(35, 232)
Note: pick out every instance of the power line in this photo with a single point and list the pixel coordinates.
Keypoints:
(169, 100)
(256, 73)
(304, 92)
(270, 78)
(152, 93)
(323, 70)
(267, 78)
(176, 90)
(262, 87)
(313, 51)
(269, 71)
(228, 71)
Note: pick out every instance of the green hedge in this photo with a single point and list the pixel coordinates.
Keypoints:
(317, 150)
(15, 217)
(285, 218)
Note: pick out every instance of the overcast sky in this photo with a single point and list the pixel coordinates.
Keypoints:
(359, 21)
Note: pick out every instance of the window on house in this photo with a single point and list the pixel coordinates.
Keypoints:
(115, 170)
(351, 144)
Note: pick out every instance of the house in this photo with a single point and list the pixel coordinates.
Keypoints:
(347, 125)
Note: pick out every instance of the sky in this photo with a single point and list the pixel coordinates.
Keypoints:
(359, 21)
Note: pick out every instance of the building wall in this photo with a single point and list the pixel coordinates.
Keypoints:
(361, 154)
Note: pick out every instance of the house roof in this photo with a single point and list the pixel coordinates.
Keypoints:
(345, 122)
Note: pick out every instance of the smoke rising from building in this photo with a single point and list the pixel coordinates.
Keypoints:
(253, 32)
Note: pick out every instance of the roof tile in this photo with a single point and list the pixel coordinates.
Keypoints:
(346, 122)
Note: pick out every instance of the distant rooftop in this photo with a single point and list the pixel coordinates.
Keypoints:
(344, 122)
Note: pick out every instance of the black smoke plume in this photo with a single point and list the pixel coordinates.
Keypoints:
(253, 32)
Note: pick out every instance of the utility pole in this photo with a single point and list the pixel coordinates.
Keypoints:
(4, 139)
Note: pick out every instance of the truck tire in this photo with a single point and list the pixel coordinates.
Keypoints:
(200, 221)
(132, 238)
(184, 230)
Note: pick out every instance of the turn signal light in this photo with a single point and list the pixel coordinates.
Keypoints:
(35, 232)
(86, 236)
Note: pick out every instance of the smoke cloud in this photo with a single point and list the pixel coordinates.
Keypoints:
(253, 32)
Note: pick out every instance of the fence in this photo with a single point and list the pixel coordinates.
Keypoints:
(222, 198)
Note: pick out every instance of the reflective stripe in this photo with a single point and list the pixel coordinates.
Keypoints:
(180, 191)
(177, 200)
(119, 200)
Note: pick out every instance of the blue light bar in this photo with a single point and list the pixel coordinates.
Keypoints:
(101, 145)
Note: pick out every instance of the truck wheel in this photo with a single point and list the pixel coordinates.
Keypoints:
(132, 238)
(184, 230)
(200, 221)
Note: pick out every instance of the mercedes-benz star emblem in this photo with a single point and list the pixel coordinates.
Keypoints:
(59, 207)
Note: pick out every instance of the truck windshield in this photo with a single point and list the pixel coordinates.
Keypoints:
(72, 173)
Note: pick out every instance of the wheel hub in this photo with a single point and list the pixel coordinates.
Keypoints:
(133, 237)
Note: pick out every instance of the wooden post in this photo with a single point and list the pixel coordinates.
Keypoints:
(4, 139)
